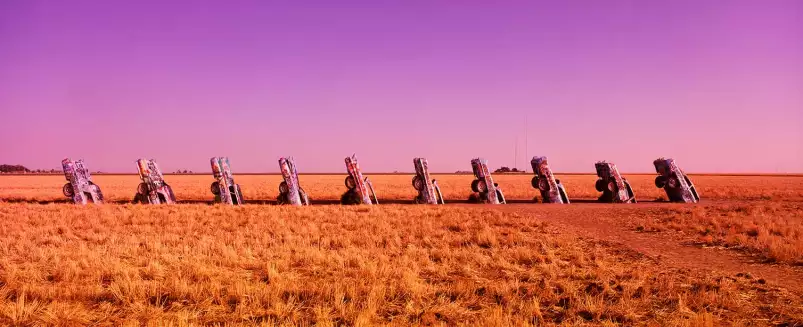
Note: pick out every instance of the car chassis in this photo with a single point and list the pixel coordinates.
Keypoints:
(428, 190)
(224, 188)
(357, 185)
(674, 181)
(614, 187)
(290, 191)
(552, 191)
(153, 189)
(484, 186)
(80, 188)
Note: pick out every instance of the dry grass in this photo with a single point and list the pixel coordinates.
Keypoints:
(332, 265)
(398, 187)
(393, 264)
(772, 230)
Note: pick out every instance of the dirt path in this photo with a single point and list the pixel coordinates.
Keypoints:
(594, 222)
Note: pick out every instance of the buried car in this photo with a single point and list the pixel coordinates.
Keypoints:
(614, 187)
(224, 188)
(674, 181)
(552, 191)
(80, 188)
(484, 187)
(153, 189)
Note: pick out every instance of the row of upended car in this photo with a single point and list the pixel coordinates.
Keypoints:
(153, 188)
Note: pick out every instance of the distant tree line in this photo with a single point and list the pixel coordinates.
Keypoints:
(46, 171)
(183, 171)
(500, 170)
(20, 169)
(508, 170)
(14, 169)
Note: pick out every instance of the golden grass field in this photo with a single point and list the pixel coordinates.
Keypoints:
(734, 259)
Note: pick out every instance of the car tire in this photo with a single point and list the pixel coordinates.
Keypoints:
(660, 181)
(612, 186)
(143, 188)
(600, 185)
(215, 188)
(481, 186)
(543, 185)
(350, 182)
(672, 182)
(418, 183)
(350, 198)
(475, 185)
(68, 190)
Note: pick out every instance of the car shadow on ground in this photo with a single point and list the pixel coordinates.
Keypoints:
(312, 202)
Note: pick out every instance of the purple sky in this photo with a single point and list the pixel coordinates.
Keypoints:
(717, 85)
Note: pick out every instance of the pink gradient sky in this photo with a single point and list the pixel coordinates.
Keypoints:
(717, 85)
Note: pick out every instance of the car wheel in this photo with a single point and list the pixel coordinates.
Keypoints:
(481, 186)
(543, 185)
(612, 186)
(534, 181)
(350, 198)
(350, 182)
(418, 183)
(143, 189)
(68, 190)
(660, 181)
(215, 188)
(672, 182)
(283, 187)
(600, 185)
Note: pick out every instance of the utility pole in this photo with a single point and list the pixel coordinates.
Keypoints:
(516, 153)
(526, 154)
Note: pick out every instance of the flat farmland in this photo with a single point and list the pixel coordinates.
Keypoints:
(396, 188)
(736, 258)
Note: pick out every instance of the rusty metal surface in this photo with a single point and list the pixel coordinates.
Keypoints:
(484, 186)
(674, 181)
(615, 188)
(224, 188)
(360, 190)
(80, 188)
(290, 191)
(552, 191)
(153, 189)
(428, 189)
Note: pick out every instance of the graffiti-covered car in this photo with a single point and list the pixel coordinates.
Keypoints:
(80, 188)
(674, 181)
(614, 187)
(552, 191)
